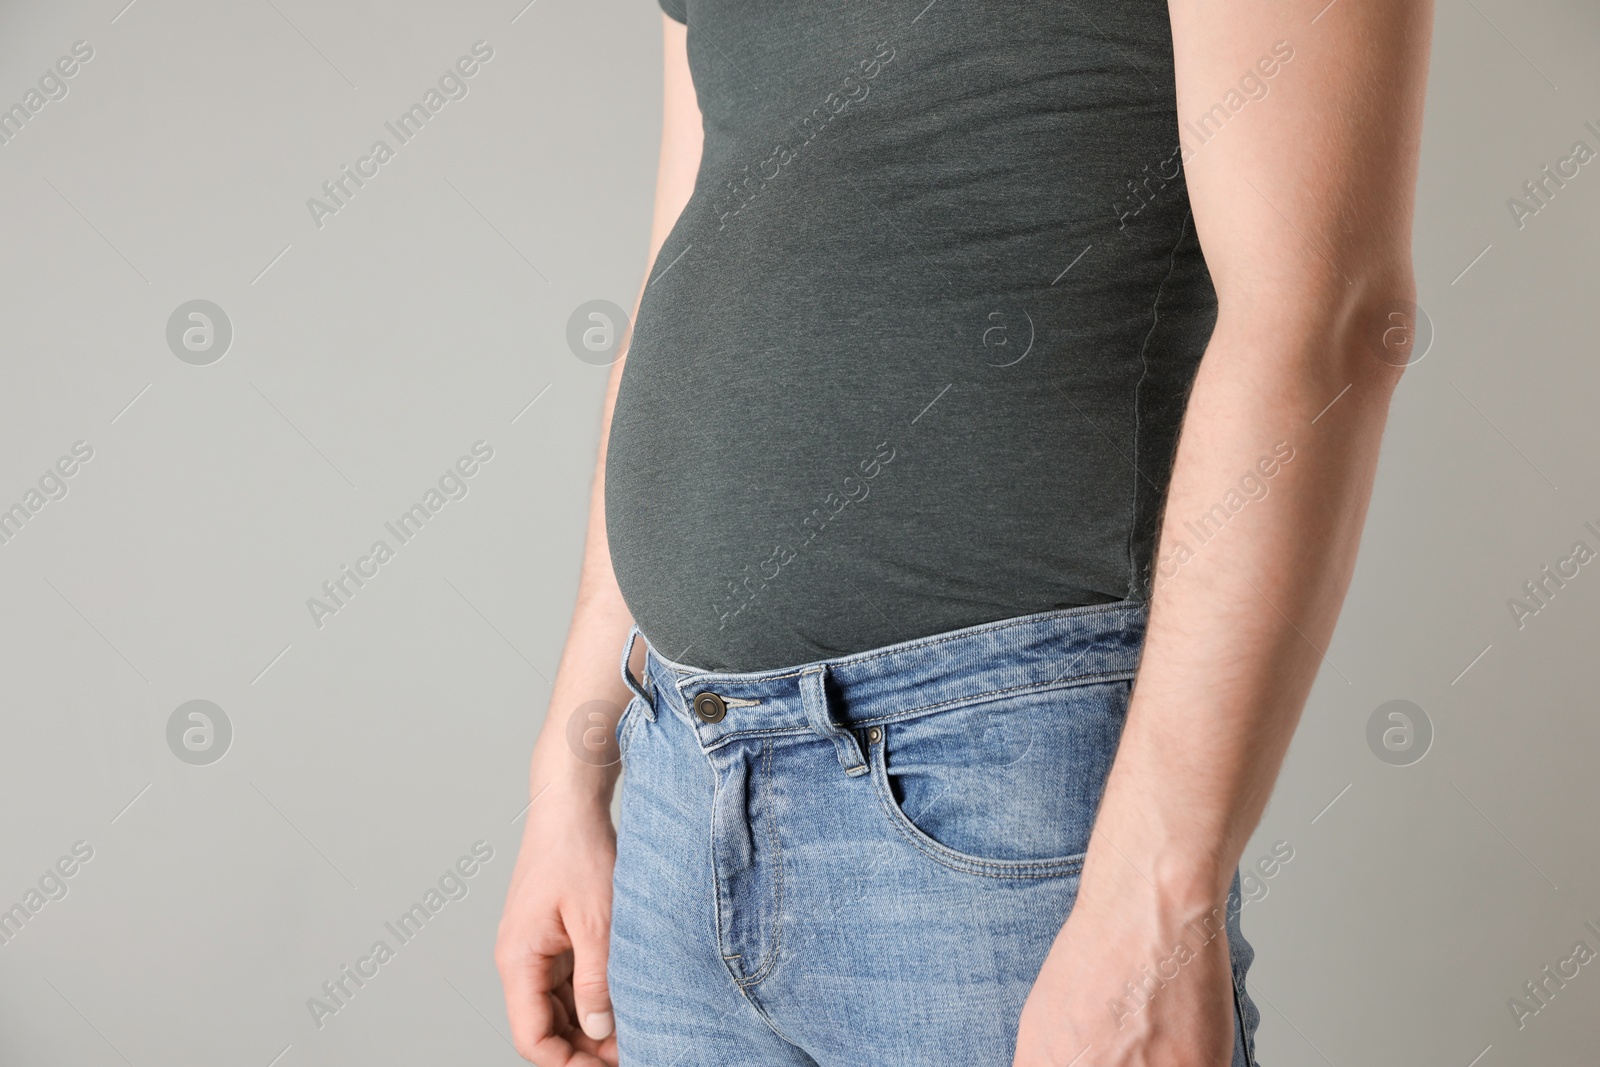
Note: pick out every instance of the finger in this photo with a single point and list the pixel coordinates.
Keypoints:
(529, 979)
(569, 1007)
(585, 1046)
(590, 931)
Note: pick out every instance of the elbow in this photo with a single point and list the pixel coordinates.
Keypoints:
(1356, 326)
(1382, 329)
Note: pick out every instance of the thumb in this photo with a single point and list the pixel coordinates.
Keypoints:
(591, 936)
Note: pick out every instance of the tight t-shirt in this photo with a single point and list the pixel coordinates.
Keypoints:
(915, 354)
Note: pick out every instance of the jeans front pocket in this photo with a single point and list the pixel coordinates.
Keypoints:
(1004, 786)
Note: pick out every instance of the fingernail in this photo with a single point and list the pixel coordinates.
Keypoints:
(598, 1024)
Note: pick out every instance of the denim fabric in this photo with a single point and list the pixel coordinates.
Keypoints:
(867, 859)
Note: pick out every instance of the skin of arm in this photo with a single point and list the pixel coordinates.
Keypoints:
(554, 932)
(1303, 205)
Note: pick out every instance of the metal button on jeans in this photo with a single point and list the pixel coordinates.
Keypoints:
(708, 707)
(874, 735)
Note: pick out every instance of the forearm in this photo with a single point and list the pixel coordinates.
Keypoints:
(600, 619)
(588, 671)
(1251, 571)
(590, 660)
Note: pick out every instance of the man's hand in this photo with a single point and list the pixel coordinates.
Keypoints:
(1132, 985)
(555, 932)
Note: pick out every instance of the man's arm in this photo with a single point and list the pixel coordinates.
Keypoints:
(600, 619)
(553, 939)
(1303, 204)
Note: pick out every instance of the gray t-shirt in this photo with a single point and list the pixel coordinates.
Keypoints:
(915, 355)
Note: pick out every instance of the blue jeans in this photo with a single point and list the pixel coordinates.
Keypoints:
(865, 860)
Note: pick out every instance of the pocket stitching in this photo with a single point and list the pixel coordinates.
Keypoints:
(630, 719)
(949, 857)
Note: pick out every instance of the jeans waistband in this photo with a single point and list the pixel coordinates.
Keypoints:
(1032, 652)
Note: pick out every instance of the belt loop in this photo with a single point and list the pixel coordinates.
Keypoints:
(634, 633)
(814, 698)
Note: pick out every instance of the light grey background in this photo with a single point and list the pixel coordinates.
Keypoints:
(372, 752)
